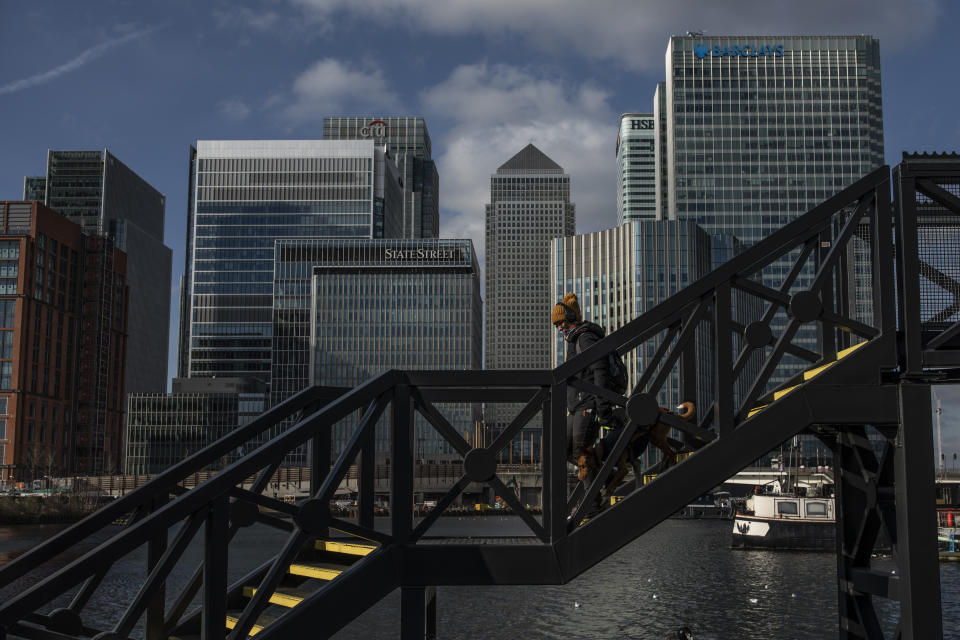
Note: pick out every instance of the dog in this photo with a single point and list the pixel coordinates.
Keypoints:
(591, 457)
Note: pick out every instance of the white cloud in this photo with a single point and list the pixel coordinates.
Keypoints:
(234, 109)
(330, 87)
(233, 16)
(85, 57)
(631, 31)
(498, 110)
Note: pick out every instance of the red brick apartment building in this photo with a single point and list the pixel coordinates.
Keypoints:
(63, 333)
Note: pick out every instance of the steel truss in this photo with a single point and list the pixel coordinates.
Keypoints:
(760, 396)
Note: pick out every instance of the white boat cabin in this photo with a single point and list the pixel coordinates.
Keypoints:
(790, 507)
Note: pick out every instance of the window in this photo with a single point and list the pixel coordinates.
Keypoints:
(817, 509)
(787, 507)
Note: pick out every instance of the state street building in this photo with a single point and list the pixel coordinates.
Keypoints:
(345, 310)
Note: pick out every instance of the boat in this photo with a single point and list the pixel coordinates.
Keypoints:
(718, 505)
(773, 519)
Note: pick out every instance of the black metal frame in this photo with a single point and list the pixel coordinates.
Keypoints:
(883, 384)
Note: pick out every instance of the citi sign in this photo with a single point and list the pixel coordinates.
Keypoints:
(375, 129)
(739, 50)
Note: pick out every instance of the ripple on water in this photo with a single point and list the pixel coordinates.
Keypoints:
(698, 580)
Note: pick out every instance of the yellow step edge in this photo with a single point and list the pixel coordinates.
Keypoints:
(233, 620)
(287, 599)
(845, 352)
(756, 410)
(807, 375)
(779, 394)
(314, 571)
(351, 548)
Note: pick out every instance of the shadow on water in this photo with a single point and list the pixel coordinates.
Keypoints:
(680, 573)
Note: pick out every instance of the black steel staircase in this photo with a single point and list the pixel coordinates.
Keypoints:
(853, 272)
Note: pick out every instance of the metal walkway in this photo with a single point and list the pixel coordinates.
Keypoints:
(871, 281)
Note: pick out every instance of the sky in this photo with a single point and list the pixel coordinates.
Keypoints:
(146, 79)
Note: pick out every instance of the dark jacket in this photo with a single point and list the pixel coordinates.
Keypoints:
(584, 336)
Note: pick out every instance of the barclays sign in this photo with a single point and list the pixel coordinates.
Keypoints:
(738, 50)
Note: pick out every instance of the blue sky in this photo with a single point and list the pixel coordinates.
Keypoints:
(146, 79)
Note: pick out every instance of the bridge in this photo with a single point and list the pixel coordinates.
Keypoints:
(869, 278)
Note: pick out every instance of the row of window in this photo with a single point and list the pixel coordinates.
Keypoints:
(284, 164)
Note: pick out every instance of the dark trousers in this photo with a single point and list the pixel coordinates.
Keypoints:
(582, 432)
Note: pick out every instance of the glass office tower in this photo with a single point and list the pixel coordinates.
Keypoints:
(245, 195)
(164, 429)
(636, 173)
(529, 207)
(346, 310)
(761, 129)
(621, 273)
(104, 196)
(408, 141)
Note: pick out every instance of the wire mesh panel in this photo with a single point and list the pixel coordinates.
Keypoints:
(938, 236)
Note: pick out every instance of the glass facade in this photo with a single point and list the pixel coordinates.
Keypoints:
(163, 430)
(347, 310)
(762, 129)
(95, 190)
(529, 207)
(621, 273)
(636, 171)
(246, 194)
(408, 142)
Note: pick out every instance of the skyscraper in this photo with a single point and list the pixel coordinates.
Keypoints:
(636, 173)
(246, 194)
(760, 129)
(408, 141)
(529, 207)
(346, 310)
(621, 273)
(104, 196)
(63, 335)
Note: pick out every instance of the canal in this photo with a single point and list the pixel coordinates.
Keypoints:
(682, 572)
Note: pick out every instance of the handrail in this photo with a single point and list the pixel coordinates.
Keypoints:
(190, 502)
(819, 241)
(144, 494)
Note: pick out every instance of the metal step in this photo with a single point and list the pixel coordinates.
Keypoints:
(807, 375)
(349, 548)
(233, 617)
(320, 570)
(283, 596)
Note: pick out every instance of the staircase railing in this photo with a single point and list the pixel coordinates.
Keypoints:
(736, 327)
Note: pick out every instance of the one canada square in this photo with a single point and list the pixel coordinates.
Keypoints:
(529, 206)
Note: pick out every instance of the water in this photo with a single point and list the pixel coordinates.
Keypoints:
(683, 572)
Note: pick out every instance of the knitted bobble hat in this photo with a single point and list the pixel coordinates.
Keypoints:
(559, 312)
